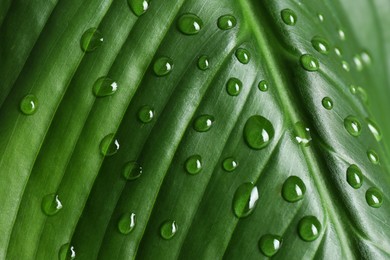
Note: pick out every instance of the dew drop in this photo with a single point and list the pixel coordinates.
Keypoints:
(373, 156)
(138, 7)
(104, 86)
(51, 204)
(309, 228)
(109, 145)
(245, 199)
(203, 62)
(320, 17)
(352, 125)
(66, 252)
(293, 189)
(362, 94)
(229, 164)
(168, 229)
(189, 24)
(341, 34)
(374, 129)
(270, 244)
(289, 17)
(146, 114)
(91, 40)
(132, 171)
(226, 22)
(203, 123)
(126, 223)
(320, 44)
(354, 176)
(352, 89)
(163, 66)
(345, 65)
(258, 132)
(327, 103)
(309, 63)
(233, 86)
(374, 197)
(263, 85)
(366, 58)
(337, 51)
(358, 62)
(302, 134)
(29, 104)
(193, 164)
(243, 55)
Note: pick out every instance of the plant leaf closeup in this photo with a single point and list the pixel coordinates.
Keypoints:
(194, 129)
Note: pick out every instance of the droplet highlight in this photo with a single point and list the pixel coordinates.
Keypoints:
(66, 252)
(243, 55)
(203, 123)
(374, 197)
(226, 22)
(109, 145)
(29, 104)
(345, 65)
(233, 86)
(352, 125)
(289, 17)
(189, 24)
(270, 244)
(91, 40)
(146, 114)
(126, 223)
(229, 164)
(203, 62)
(374, 129)
(258, 132)
(354, 176)
(302, 134)
(51, 204)
(193, 164)
(104, 86)
(309, 228)
(168, 229)
(132, 171)
(327, 103)
(138, 7)
(309, 63)
(245, 199)
(293, 189)
(163, 66)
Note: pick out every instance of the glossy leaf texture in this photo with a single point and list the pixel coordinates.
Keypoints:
(193, 129)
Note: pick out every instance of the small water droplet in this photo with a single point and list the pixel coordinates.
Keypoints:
(302, 134)
(245, 199)
(309, 228)
(132, 170)
(104, 86)
(341, 34)
(203, 123)
(29, 104)
(146, 114)
(352, 125)
(258, 132)
(345, 65)
(66, 252)
(138, 7)
(243, 55)
(373, 156)
(233, 86)
(374, 197)
(366, 57)
(168, 229)
(193, 164)
(309, 63)
(51, 204)
(109, 145)
(263, 85)
(226, 22)
(229, 164)
(352, 89)
(163, 66)
(327, 103)
(203, 62)
(189, 24)
(289, 17)
(320, 17)
(354, 176)
(293, 189)
(337, 51)
(358, 62)
(126, 223)
(374, 129)
(91, 40)
(362, 94)
(320, 44)
(270, 244)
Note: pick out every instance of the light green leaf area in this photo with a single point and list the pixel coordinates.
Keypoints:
(194, 129)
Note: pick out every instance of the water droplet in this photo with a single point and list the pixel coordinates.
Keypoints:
(189, 24)
(374, 197)
(309, 63)
(126, 223)
(362, 94)
(146, 114)
(51, 204)
(226, 22)
(132, 170)
(320, 17)
(289, 17)
(91, 40)
(327, 103)
(203, 123)
(193, 164)
(29, 104)
(352, 125)
(109, 145)
(258, 132)
(352, 89)
(293, 189)
(309, 228)
(163, 66)
(341, 34)
(203, 62)
(320, 44)
(302, 134)
(345, 65)
(337, 51)
(270, 244)
(358, 62)
(373, 156)
(138, 7)
(374, 129)
(233, 86)
(104, 86)
(263, 85)
(243, 55)
(229, 164)
(245, 199)
(168, 229)
(366, 57)
(66, 252)
(354, 176)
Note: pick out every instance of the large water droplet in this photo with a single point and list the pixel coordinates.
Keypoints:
(203, 62)
(146, 114)
(245, 199)
(320, 44)
(373, 156)
(374, 129)
(354, 176)
(168, 229)
(138, 7)
(309, 228)
(29, 104)
(163, 66)
(327, 103)
(270, 244)
(104, 86)
(233, 86)
(289, 17)
(193, 164)
(309, 63)
(66, 252)
(189, 24)
(263, 85)
(302, 134)
(258, 132)
(51, 204)
(226, 22)
(126, 223)
(352, 125)
(374, 197)
(132, 170)
(91, 40)
(203, 123)
(109, 145)
(243, 55)
(229, 164)
(293, 189)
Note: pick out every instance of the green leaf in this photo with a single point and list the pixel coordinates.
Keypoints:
(194, 129)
